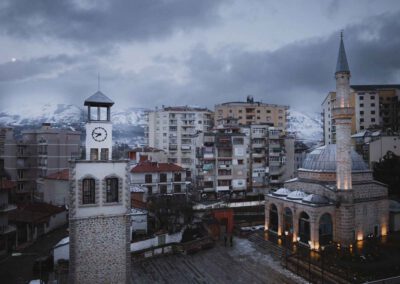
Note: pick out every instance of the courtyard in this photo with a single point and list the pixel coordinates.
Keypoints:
(242, 263)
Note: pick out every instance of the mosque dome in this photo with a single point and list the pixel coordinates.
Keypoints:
(282, 192)
(324, 159)
(297, 195)
(315, 199)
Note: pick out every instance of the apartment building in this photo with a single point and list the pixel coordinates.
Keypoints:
(222, 160)
(159, 178)
(38, 153)
(7, 231)
(177, 130)
(374, 106)
(252, 112)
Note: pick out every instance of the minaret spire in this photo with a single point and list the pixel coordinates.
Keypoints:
(342, 65)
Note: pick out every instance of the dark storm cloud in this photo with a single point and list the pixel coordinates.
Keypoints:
(37, 67)
(301, 73)
(104, 22)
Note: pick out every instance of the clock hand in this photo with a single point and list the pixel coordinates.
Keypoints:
(97, 134)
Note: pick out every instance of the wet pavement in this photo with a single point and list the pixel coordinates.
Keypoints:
(242, 263)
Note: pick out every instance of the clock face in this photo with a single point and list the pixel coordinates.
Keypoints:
(99, 134)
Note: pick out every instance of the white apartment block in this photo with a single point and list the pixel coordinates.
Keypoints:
(176, 130)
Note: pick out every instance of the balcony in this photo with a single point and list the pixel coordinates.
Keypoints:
(5, 207)
(6, 229)
(223, 188)
(209, 156)
(186, 147)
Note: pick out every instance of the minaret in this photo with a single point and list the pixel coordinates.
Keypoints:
(342, 113)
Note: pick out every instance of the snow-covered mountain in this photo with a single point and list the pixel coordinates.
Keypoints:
(129, 122)
(306, 127)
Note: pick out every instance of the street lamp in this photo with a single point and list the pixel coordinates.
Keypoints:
(298, 253)
(309, 260)
(322, 264)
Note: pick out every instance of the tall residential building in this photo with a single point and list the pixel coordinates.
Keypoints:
(374, 106)
(7, 231)
(222, 161)
(38, 153)
(252, 112)
(176, 130)
(270, 156)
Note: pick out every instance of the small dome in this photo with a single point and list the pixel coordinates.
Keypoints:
(315, 199)
(394, 206)
(324, 159)
(282, 192)
(296, 195)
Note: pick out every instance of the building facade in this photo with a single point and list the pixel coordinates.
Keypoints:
(99, 213)
(176, 131)
(159, 178)
(334, 198)
(39, 153)
(251, 112)
(374, 106)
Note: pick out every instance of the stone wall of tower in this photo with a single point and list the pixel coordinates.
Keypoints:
(345, 213)
(101, 258)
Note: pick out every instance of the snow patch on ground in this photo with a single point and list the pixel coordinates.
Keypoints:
(244, 249)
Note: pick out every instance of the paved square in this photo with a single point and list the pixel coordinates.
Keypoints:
(242, 263)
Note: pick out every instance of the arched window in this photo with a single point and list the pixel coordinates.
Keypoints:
(304, 227)
(325, 229)
(273, 218)
(112, 190)
(288, 220)
(88, 191)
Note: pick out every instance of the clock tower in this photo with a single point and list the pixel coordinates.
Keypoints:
(98, 127)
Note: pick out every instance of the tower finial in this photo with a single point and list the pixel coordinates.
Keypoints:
(98, 81)
(342, 64)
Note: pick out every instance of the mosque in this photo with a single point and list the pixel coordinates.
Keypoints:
(334, 199)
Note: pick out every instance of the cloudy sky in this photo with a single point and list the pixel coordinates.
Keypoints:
(175, 52)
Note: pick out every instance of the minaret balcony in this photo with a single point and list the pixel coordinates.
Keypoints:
(343, 112)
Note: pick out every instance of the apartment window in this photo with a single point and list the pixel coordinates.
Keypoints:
(230, 111)
(177, 177)
(149, 190)
(148, 178)
(268, 111)
(240, 162)
(361, 105)
(361, 98)
(177, 188)
(258, 111)
(163, 177)
(280, 111)
(361, 119)
(88, 191)
(372, 97)
(372, 104)
(163, 189)
(20, 174)
(94, 154)
(258, 117)
(372, 119)
(361, 112)
(104, 154)
(20, 186)
(112, 190)
(372, 112)
(240, 111)
(361, 127)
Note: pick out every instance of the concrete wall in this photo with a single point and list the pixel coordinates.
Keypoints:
(379, 148)
(55, 192)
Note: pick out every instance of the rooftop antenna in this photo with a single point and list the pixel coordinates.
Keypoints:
(341, 34)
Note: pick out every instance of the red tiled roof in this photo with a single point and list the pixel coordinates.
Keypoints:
(34, 212)
(61, 175)
(7, 184)
(151, 167)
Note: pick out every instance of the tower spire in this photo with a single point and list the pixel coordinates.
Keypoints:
(342, 64)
